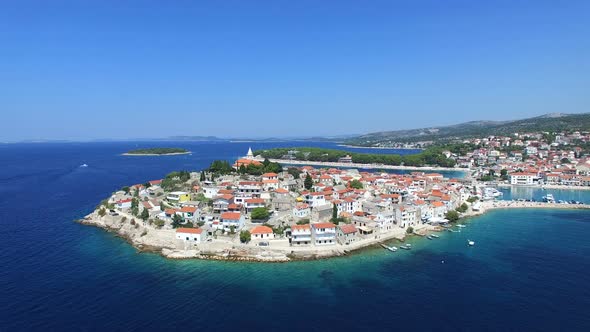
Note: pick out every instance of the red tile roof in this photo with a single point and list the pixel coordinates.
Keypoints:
(231, 215)
(189, 230)
(347, 229)
(261, 230)
(323, 225)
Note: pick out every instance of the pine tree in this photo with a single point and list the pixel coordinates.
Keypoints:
(308, 182)
(334, 212)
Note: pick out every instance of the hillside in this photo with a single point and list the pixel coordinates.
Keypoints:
(549, 122)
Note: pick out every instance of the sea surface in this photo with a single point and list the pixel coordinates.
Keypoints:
(527, 272)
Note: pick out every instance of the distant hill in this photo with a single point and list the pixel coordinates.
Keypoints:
(548, 122)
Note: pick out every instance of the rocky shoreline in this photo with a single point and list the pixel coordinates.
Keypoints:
(162, 241)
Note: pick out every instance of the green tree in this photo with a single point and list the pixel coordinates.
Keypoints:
(126, 189)
(565, 161)
(145, 215)
(334, 212)
(245, 236)
(303, 221)
(232, 229)
(410, 230)
(102, 212)
(452, 216)
(504, 174)
(294, 171)
(308, 182)
(159, 222)
(259, 213)
(202, 177)
(176, 220)
(356, 184)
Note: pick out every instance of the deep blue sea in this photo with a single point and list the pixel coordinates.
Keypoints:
(527, 271)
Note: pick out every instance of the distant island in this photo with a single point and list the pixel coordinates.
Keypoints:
(156, 152)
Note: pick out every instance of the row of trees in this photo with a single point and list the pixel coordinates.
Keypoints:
(431, 156)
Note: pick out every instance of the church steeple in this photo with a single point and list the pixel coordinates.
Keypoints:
(250, 155)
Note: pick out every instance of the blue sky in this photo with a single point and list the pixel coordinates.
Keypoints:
(125, 69)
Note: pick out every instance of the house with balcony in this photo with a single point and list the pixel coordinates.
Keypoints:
(300, 235)
(323, 233)
(229, 219)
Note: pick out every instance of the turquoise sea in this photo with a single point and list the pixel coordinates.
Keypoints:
(527, 271)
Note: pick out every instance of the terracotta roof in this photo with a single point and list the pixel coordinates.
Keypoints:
(347, 229)
(231, 215)
(269, 175)
(323, 225)
(189, 230)
(438, 204)
(300, 227)
(255, 201)
(189, 209)
(261, 230)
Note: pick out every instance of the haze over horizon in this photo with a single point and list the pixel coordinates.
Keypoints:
(108, 69)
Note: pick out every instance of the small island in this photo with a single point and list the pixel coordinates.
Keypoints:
(156, 152)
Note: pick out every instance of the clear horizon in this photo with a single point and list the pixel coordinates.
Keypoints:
(111, 70)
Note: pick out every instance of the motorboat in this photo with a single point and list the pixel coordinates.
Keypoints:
(406, 246)
(471, 243)
(392, 249)
(461, 226)
(84, 165)
(549, 198)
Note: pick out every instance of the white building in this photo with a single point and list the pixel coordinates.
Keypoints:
(300, 235)
(522, 178)
(323, 233)
(301, 211)
(191, 235)
(262, 233)
(229, 219)
(315, 199)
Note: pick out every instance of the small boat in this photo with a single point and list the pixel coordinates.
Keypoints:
(406, 246)
(434, 236)
(470, 243)
(392, 249)
(84, 165)
(549, 198)
(454, 231)
(461, 226)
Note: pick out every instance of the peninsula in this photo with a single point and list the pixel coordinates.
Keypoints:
(255, 209)
(156, 152)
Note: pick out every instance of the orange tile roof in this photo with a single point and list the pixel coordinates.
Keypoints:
(189, 230)
(190, 209)
(347, 229)
(231, 215)
(323, 225)
(261, 230)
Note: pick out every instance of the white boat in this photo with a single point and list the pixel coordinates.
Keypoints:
(461, 226)
(434, 236)
(406, 246)
(84, 165)
(549, 198)
(470, 243)
(392, 249)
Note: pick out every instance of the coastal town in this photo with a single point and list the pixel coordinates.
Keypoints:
(258, 209)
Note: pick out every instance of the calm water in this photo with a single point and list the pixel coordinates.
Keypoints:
(526, 272)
